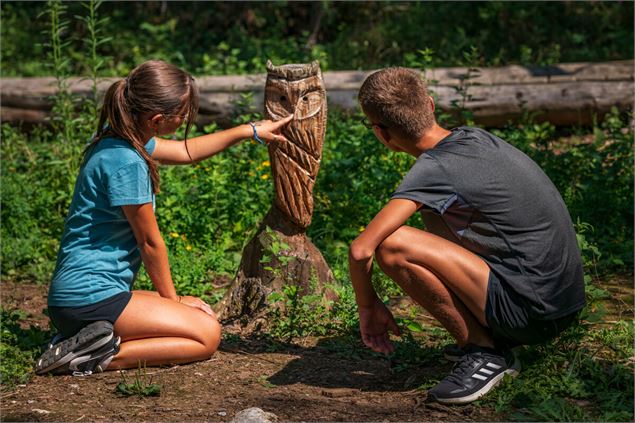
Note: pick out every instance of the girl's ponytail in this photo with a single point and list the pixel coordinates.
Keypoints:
(155, 87)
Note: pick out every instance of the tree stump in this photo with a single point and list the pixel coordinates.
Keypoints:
(280, 253)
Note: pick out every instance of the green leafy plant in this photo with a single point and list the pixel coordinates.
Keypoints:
(570, 380)
(140, 386)
(95, 62)
(19, 348)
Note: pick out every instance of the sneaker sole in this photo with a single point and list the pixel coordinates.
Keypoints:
(82, 343)
(100, 366)
(512, 371)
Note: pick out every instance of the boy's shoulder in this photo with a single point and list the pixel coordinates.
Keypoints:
(467, 133)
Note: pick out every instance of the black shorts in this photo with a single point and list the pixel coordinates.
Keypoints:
(70, 320)
(510, 322)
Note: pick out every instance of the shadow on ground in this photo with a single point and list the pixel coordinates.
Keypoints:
(343, 362)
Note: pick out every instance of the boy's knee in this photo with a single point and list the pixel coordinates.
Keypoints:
(390, 253)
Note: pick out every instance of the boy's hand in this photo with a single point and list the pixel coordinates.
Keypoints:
(269, 130)
(374, 323)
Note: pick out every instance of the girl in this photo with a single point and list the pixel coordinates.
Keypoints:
(111, 227)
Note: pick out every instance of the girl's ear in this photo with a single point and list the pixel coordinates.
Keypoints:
(155, 121)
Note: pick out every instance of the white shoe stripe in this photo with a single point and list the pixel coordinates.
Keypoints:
(477, 376)
(493, 366)
(485, 371)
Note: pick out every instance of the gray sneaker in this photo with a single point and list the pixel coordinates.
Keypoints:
(91, 338)
(474, 375)
(452, 352)
(96, 361)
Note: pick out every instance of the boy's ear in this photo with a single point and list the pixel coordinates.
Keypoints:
(382, 134)
(431, 103)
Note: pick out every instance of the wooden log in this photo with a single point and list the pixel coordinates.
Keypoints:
(564, 94)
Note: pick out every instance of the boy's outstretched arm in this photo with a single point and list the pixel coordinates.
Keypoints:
(375, 320)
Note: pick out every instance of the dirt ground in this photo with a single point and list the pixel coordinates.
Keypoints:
(321, 379)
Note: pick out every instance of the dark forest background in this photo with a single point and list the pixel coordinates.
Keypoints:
(238, 37)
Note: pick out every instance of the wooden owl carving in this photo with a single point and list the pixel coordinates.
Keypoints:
(296, 89)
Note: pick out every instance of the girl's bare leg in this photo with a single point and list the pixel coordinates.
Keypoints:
(156, 331)
(445, 278)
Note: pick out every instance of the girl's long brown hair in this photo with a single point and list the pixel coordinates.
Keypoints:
(154, 87)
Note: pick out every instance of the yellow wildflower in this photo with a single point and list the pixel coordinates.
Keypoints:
(183, 237)
(362, 228)
(174, 234)
(266, 163)
(265, 176)
(188, 247)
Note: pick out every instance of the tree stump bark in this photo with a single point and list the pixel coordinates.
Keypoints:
(280, 253)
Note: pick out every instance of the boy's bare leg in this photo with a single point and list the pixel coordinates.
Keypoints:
(156, 331)
(446, 279)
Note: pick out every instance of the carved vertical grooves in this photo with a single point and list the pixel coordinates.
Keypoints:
(294, 166)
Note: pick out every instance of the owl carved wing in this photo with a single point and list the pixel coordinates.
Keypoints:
(298, 90)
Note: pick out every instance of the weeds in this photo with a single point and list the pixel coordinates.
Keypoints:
(95, 62)
(18, 348)
(571, 379)
(141, 385)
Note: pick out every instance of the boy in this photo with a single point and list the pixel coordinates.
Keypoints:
(498, 265)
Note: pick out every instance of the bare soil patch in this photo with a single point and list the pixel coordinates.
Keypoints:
(315, 379)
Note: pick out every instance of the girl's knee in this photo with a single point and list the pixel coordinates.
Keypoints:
(211, 335)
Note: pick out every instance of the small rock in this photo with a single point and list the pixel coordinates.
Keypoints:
(30, 401)
(222, 413)
(40, 411)
(254, 415)
(198, 374)
(74, 386)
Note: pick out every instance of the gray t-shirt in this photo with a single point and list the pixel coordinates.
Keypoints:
(487, 196)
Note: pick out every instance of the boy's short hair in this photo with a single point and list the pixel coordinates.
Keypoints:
(398, 98)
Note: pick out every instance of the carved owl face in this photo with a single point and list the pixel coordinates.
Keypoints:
(303, 99)
(297, 90)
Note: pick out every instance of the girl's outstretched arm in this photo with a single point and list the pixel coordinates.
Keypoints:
(200, 148)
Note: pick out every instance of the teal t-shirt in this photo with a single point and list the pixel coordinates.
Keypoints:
(98, 254)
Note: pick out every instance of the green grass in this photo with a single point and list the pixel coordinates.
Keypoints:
(207, 212)
(19, 348)
(586, 375)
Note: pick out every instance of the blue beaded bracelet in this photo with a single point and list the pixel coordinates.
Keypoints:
(256, 137)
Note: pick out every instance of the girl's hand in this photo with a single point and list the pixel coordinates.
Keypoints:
(197, 303)
(269, 130)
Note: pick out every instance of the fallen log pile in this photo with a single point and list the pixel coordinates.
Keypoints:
(564, 94)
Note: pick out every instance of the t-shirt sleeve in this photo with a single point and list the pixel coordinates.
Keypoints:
(131, 184)
(427, 183)
(151, 145)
